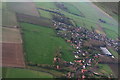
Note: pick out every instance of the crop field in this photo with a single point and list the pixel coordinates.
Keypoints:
(23, 7)
(45, 14)
(11, 35)
(46, 5)
(24, 73)
(8, 16)
(115, 69)
(11, 40)
(28, 37)
(70, 9)
(114, 52)
(109, 64)
(92, 12)
(104, 68)
(41, 44)
(106, 59)
(34, 20)
(109, 7)
(12, 55)
(100, 30)
(92, 18)
(111, 33)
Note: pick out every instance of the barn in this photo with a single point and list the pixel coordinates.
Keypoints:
(105, 51)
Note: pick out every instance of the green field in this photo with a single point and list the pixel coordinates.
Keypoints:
(72, 9)
(46, 5)
(111, 33)
(92, 15)
(104, 68)
(45, 14)
(109, 7)
(24, 73)
(41, 44)
(114, 53)
(110, 30)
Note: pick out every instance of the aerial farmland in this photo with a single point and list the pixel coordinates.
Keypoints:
(59, 40)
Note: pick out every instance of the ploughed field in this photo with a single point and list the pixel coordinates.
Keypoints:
(34, 20)
(11, 35)
(12, 55)
(41, 44)
(12, 52)
(28, 8)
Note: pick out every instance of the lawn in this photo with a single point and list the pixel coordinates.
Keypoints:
(24, 73)
(41, 44)
(45, 14)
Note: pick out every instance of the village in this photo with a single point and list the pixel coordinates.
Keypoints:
(59, 40)
(89, 47)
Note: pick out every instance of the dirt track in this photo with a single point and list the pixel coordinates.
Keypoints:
(12, 55)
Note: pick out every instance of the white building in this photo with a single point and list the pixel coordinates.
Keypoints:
(105, 51)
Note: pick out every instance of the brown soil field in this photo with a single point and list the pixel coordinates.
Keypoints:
(28, 8)
(107, 59)
(114, 68)
(11, 35)
(34, 20)
(113, 63)
(12, 55)
(93, 43)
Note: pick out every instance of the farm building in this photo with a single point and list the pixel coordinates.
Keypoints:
(105, 51)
